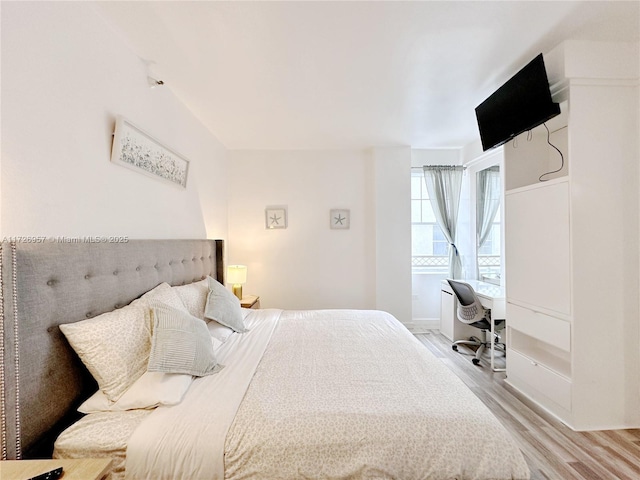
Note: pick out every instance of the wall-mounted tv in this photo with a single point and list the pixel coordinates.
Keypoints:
(522, 103)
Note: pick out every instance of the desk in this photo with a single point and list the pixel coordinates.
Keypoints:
(491, 296)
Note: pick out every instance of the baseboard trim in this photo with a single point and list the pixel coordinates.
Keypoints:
(422, 325)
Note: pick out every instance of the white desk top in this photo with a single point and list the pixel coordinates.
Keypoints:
(487, 289)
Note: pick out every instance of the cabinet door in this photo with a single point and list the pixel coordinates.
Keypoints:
(537, 246)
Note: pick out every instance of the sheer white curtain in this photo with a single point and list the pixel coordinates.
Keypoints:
(444, 183)
(487, 202)
(488, 191)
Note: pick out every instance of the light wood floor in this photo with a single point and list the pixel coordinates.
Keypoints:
(552, 450)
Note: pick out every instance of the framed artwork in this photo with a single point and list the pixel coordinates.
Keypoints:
(275, 217)
(340, 218)
(136, 149)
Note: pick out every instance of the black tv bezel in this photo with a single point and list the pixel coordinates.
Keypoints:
(509, 100)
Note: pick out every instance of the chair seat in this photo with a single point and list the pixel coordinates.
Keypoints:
(485, 325)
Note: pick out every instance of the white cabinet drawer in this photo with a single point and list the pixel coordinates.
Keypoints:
(547, 382)
(549, 329)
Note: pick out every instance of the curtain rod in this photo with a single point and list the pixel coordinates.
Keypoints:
(420, 168)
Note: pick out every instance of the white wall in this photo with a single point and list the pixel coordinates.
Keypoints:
(392, 200)
(65, 77)
(307, 265)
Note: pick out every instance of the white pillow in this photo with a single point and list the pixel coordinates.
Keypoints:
(216, 344)
(224, 307)
(194, 297)
(113, 346)
(219, 332)
(180, 343)
(149, 391)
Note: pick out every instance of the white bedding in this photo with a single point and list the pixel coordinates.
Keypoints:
(99, 435)
(186, 441)
(337, 394)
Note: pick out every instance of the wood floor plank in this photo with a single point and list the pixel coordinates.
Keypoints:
(552, 450)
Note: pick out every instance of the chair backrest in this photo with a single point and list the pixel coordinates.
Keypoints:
(470, 309)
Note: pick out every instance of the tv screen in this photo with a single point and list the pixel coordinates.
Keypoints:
(522, 103)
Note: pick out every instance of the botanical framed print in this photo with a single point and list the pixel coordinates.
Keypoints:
(136, 149)
(340, 218)
(275, 217)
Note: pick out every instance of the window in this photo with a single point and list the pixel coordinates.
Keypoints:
(489, 254)
(429, 248)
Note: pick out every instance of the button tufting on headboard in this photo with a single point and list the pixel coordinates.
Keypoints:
(53, 289)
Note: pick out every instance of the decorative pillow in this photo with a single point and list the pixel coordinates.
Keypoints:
(163, 293)
(113, 346)
(180, 343)
(194, 297)
(224, 307)
(149, 391)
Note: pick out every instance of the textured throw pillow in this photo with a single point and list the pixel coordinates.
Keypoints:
(180, 343)
(163, 293)
(113, 346)
(194, 297)
(149, 391)
(224, 307)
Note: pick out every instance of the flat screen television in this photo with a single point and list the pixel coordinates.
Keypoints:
(522, 103)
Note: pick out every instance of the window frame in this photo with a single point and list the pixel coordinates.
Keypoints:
(436, 264)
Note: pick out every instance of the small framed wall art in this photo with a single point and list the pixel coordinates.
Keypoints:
(340, 218)
(275, 217)
(136, 149)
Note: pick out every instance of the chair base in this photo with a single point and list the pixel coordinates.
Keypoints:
(481, 345)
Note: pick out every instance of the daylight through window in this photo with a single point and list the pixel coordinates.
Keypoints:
(429, 248)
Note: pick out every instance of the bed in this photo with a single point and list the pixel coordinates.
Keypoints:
(297, 394)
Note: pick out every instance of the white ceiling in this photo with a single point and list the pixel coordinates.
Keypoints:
(332, 75)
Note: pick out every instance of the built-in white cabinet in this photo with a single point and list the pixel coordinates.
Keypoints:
(572, 255)
(538, 246)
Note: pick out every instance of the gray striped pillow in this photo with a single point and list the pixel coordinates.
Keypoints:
(180, 343)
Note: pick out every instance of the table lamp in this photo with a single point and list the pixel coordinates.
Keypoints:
(237, 275)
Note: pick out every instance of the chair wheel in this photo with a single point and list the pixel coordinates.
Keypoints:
(475, 361)
(454, 348)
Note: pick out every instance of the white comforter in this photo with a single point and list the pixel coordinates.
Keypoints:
(337, 394)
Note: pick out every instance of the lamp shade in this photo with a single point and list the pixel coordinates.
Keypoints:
(237, 274)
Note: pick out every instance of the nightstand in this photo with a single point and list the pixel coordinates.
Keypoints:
(72, 469)
(250, 301)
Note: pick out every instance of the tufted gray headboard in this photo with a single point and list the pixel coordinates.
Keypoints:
(44, 285)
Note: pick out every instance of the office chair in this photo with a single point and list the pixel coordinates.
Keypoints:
(471, 312)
